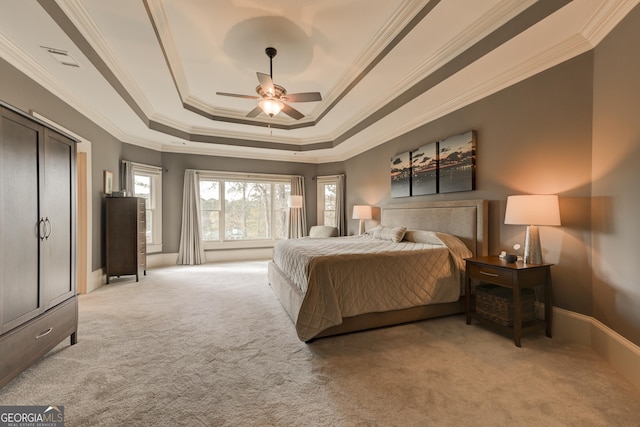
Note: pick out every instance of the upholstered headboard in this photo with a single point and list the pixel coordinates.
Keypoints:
(465, 219)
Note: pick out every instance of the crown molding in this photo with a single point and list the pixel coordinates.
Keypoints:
(555, 55)
(26, 65)
(81, 19)
(160, 22)
(242, 152)
(484, 25)
(606, 18)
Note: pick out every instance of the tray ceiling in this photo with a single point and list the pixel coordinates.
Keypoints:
(148, 71)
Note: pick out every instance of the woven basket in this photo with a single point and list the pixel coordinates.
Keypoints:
(496, 303)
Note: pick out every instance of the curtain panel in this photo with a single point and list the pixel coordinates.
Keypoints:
(340, 206)
(297, 216)
(191, 250)
(126, 177)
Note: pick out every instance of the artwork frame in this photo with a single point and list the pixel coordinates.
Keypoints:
(108, 182)
(424, 170)
(457, 163)
(401, 175)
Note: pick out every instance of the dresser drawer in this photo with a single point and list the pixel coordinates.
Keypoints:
(490, 274)
(24, 345)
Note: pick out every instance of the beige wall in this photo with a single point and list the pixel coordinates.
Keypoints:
(173, 179)
(616, 179)
(534, 137)
(572, 130)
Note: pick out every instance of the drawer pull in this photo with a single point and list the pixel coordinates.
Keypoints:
(45, 333)
(488, 274)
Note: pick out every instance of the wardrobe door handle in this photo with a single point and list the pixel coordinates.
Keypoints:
(42, 229)
(47, 227)
(45, 333)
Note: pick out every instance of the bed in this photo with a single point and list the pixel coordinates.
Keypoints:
(344, 284)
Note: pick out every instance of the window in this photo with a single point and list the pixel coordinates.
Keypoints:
(327, 186)
(147, 183)
(235, 207)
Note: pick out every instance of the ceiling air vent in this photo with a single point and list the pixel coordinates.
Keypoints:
(62, 56)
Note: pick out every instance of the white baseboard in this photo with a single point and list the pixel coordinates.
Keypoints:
(619, 352)
(96, 279)
(161, 260)
(239, 255)
(247, 254)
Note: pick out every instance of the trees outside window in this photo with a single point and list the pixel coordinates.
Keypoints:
(243, 209)
(147, 184)
(326, 214)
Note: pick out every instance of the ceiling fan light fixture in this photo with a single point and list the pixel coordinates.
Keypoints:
(271, 107)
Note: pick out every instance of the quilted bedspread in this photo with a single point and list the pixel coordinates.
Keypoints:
(347, 276)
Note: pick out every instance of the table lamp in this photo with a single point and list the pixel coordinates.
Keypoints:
(361, 212)
(295, 201)
(532, 211)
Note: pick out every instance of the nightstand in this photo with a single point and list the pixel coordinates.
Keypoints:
(516, 276)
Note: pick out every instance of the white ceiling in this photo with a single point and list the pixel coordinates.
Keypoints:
(149, 70)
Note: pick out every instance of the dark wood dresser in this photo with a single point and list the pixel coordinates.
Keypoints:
(126, 241)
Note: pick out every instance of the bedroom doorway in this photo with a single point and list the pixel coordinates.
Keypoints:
(83, 247)
(82, 223)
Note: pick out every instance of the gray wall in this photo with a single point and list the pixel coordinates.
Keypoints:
(21, 92)
(571, 130)
(616, 180)
(174, 166)
(534, 137)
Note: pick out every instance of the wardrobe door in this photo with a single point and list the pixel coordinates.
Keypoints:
(20, 225)
(58, 210)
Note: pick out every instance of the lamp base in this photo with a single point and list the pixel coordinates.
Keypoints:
(532, 249)
(361, 228)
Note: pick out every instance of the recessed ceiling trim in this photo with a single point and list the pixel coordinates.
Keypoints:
(155, 11)
(160, 24)
(59, 16)
(603, 20)
(496, 38)
(521, 22)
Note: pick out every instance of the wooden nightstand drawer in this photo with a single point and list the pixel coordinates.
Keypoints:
(491, 274)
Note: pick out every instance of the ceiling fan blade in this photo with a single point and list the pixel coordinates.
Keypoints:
(303, 97)
(266, 83)
(292, 112)
(235, 95)
(253, 113)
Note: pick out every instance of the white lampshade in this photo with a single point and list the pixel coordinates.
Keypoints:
(271, 107)
(532, 210)
(295, 201)
(361, 212)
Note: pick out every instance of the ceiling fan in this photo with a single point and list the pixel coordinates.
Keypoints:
(273, 97)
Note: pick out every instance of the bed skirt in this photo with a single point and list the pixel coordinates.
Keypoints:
(291, 299)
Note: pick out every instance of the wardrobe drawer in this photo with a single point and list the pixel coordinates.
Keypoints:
(22, 346)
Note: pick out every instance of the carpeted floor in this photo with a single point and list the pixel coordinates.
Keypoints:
(211, 346)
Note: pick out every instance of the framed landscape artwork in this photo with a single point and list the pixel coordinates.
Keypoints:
(457, 163)
(401, 175)
(424, 170)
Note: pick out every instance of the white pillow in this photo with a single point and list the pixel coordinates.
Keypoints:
(381, 232)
